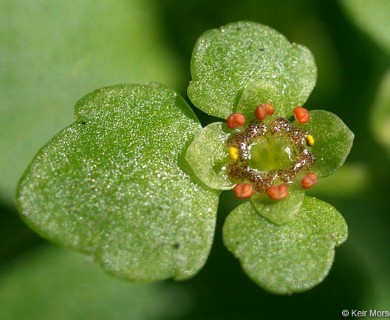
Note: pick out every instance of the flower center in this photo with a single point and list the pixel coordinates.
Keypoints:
(271, 153)
(268, 155)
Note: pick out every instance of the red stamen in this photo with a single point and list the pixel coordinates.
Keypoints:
(264, 110)
(243, 191)
(302, 115)
(260, 113)
(277, 192)
(235, 120)
(269, 108)
(309, 180)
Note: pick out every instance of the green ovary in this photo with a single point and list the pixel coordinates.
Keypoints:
(272, 153)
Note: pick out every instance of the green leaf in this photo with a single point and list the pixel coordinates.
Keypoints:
(380, 120)
(257, 92)
(289, 258)
(207, 156)
(110, 185)
(53, 283)
(225, 60)
(373, 17)
(333, 141)
(279, 212)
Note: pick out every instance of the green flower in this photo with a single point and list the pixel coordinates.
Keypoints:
(135, 180)
(270, 159)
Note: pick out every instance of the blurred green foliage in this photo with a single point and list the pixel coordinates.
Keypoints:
(67, 286)
(52, 53)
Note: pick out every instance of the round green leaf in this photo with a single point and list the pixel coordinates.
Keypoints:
(224, 61)
(282, 211)
(289, 258)
(207, 156)
(333, 141)
(110, 185)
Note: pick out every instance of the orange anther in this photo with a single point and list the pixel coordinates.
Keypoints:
(260, 113)
(269, 108)
(302, 115)
(309, 180)
(243, 191)
(277, 192)
(264, 110)
(235, 120)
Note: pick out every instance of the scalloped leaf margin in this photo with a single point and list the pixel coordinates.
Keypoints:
(111, 187)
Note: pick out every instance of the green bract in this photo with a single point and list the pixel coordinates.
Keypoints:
(333, 141)
(279, 212)
(135, 180)
(207, 155)
(225, 60)
(289, 258)
(255, 91)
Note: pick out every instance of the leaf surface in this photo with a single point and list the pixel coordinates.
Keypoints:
(207, 156)
(225, 60)
(279, 211)
(114, 185)
(333, 141)
(288, 258)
